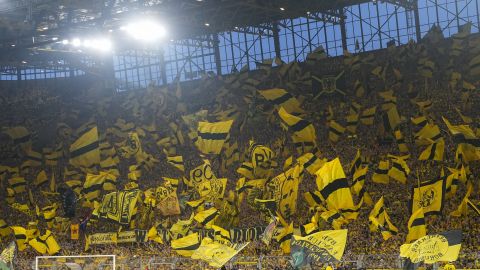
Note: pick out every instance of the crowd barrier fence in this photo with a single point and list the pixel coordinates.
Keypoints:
(361, 261)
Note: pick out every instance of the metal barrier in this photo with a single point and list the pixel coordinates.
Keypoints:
(360, 261)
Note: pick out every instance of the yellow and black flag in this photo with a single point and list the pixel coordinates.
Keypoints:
(45, 244)
(402, 146)
(284, 238)
(323, 247)
(357, 162)
(434, 151)
(20, 136)
(93, 186)
(358, 185)
(380, 221)
(32, 159)
(40, 179)
(311, 163)
(177, 162)
(212, 136)
(262, 160)
(187, 245)
(417, 227)
(429, 133)
(442, 247)
(429, 196)
(52, 156)
(463, 134)
(368, 116)
(246, 169)
(380, 175)
(120, 206)
(333, 186)
(283, 189)
(335, 130)
(462, 208)
(302, 130)
(352, 123)
(85, 151)
(281, 98)
(20, 237)
(399, 170)
(4, 229)
(18, 184)
(207, 217)
(391, 119)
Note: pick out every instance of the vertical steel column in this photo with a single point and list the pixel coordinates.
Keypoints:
(216, 47)
(163, 65)
(457, 15)
(19, 73)
(343, 29)
(325, 33)
(261, 46)
(293, 40)
(309, 35)
(398, 27)
(234, 65)
(478, 15)
(276, 40)
(246, 49)
(417, 21)
(379, 26)
(361, 25)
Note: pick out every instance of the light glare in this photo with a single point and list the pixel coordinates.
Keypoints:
(76, 42)
(145, 30)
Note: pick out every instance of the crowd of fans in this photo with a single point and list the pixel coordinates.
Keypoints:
(40, 112)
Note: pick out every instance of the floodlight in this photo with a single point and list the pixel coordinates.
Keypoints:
(76, 42)
(104, 45)
(145, 30)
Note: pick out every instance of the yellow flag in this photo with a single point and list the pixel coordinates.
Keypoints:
(212, 136)
(416, 226)
(434, 151)
(321, 247)
(74, 231)
(442, 247)
(381, 173)
(216, 254)
(85, 151)
(380, 221)
(335, 130)
(187, 245)
(282, 98)
(333, 186)
(368, 116)
(207, 217)
(41, 178)
(430, 196)
(20, 237)
(302, 130)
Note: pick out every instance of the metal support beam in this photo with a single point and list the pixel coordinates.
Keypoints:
(417, 21)
(163, 66)
(343, 30)
(276, 40)
(216, 47)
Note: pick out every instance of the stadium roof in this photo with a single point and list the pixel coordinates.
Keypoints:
(35, 23)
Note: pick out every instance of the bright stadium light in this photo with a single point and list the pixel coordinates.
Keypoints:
(76, 42)
(97, 44)
(145, 30)
(103, 45)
